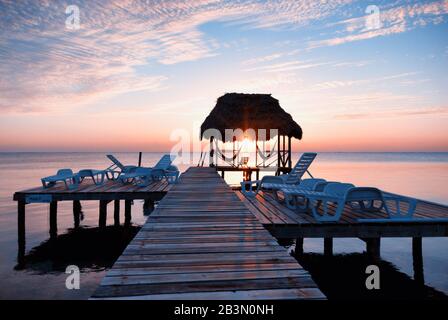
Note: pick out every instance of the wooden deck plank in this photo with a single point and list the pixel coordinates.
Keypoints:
(269, 294)
(202, 238)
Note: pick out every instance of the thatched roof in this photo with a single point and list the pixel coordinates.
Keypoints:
(250, 111)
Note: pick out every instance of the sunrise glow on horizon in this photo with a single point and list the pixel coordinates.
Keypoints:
(135, 71)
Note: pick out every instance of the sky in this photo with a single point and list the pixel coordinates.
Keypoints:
(355, 75)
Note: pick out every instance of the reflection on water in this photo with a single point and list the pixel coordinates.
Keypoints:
(343, 276)
(420, 175)
(87, 248)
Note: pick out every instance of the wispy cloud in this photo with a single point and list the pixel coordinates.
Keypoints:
(339, 84)
(394, 113)
(50, 67)
(393, 20)
(288, 66)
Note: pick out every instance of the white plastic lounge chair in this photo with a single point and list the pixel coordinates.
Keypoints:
(402, 210)
(334, 193)
(172, 174)
(70, 180)
(292, 178)
(96, 175)
(143, 176)
(292, 193)
(363, 199)
(112, 173)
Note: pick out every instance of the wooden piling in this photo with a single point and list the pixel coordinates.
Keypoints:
(148, 207)
(373, 248)
(299, 247)
(21, 230)
(102, 221)
(417, 255)
(53, 219)
(76, 213)
(127, 212)
(328, 247)
(117, 213)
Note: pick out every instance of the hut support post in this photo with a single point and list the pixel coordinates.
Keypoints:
(289, 153)
(264, 153)
(256, 153)
(328, 247)
(283, 151)
(53, 220)
(278, 155)
(233, 153)
(417, 255)
(21, 230)
(210, 161)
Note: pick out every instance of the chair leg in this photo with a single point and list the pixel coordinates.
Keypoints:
(290, 201)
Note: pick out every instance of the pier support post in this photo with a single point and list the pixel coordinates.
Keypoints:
(417, 255)
(148, 207)
(21, 231)
(77, 209)
(116, 213)
(299, 247)
(103, 214)
(328, 247)
(127, 213)
(373, 248)
(53, 219)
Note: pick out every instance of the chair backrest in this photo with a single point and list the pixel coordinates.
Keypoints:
(310, 184)
(65, 172)
(338, 189)
(115, 161)
(363, 194)
(164, 162)
(300, 168)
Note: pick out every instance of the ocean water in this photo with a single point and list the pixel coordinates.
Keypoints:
(421, 175)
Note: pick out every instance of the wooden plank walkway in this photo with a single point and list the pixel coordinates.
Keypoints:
(286, 223)
(201, 242)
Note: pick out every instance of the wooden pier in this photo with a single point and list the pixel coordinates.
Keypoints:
(201, 242)
(86, 191)
(283, 222)
(207, 241)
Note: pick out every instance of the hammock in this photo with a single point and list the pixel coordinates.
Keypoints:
(269, 155)
(228, 160)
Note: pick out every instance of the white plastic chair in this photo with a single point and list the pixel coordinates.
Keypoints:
(67, 176)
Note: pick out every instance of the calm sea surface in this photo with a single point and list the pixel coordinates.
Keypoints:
(422, 175)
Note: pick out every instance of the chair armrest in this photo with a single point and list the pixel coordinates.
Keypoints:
(251, 185)
(272, 179)
(129, 169)
(398, 213)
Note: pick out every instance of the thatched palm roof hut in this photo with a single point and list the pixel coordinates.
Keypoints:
(250, 111)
